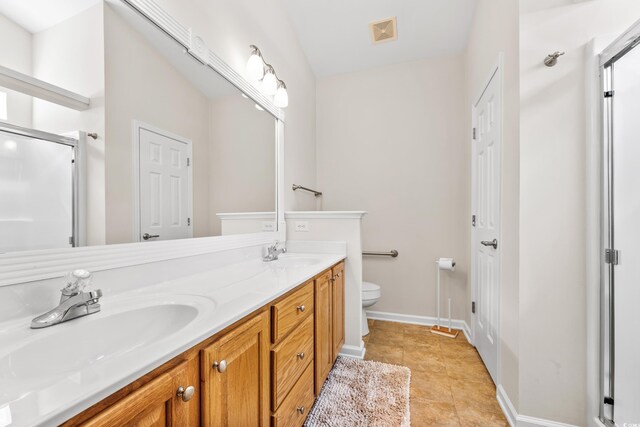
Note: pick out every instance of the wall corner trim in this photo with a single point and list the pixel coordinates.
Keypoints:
(353, 351)
(516, 420)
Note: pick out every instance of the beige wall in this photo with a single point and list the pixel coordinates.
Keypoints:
(553, 159)
(391, 141)
(242, 165)
(15, 53)
(142, 85)
(495, 30)
(229, 27)
(71, 55)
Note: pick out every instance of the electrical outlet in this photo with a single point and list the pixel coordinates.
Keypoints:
(302, 226)
(268, 226)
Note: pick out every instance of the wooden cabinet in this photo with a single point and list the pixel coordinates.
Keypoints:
(324, 341)
(167, 400)
(264, 370)
(337, 307)
(287, 313)
(235, 377)
(295, 408)
(289, 360)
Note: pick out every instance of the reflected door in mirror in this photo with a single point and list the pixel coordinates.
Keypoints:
(165, 186)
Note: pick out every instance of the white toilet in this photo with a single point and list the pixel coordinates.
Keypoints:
(370, 296)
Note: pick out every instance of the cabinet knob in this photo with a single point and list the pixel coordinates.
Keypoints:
(300, 409)
(221, 366)
(186, 393)
(301, 355)
(301, 308)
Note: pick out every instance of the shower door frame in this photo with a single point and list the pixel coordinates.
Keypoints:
(616, 50)
(76, 237)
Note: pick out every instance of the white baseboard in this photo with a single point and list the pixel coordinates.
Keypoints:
(507, 407)
(418, 320)
(353, 351)
(516, 420)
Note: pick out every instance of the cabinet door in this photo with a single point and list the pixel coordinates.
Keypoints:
(337, 299)
(157, 403)
(235, 375)
(324, 343)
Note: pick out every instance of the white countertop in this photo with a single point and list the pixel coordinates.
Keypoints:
(43, 382)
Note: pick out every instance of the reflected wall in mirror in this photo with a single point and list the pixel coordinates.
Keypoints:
(176, 146)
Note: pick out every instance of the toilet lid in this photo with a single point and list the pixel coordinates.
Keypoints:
(368, 286)
(370, 290)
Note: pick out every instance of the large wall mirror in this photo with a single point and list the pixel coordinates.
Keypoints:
(111, 133)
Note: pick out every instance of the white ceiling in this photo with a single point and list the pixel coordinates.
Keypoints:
(37, 15)
(335, 33)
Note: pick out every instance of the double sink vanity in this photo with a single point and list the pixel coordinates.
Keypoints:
(250, 343)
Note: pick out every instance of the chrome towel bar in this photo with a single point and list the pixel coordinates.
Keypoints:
(393, 253)
(300, 187)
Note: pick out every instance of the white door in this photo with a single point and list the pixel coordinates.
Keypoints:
(486, 233)
(165, 186)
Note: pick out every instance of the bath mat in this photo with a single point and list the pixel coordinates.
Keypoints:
(363, 393)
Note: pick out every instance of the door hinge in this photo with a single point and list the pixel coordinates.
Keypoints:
(609, 94)
(188, 161)
(473, 307)
(611, 256)
(71, 240)
(474, 134)
(188, 221)
(473, 220)
(608, 400)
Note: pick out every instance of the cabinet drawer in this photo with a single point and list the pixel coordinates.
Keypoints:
(288, 360)
(295, 408)
(288, 313)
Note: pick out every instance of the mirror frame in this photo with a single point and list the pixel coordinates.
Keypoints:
(29, 266)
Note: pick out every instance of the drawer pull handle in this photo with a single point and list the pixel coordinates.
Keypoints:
(186, 393)
(221, 366)
(301, 308)
(300, 409)
(301, 355)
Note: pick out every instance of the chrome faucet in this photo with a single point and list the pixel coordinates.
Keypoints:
(74, 302)
(273, 251)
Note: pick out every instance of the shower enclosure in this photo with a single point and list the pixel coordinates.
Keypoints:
(38, 190)
(620, 272)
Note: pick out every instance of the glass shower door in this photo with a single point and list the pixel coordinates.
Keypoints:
(36, 193)
(622, 270)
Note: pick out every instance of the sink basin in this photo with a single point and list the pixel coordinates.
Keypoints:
(293, 261)
(82, 342)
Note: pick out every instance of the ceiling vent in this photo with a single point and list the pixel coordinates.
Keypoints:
(384, 31)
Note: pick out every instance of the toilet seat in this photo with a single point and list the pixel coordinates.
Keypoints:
(370, 291)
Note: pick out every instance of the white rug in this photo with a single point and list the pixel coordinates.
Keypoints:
(363, 393)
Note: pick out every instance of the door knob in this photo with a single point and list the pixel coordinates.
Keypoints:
(147, 236)
(300, 409)
(301, 308)
(301, 355)
(493, 243)
(186, 393)
(221, 366)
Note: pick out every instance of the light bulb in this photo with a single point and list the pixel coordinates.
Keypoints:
(255, 68)
(269, 84)
(281, 99)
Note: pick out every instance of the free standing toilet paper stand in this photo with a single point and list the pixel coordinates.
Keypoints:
(450, 265)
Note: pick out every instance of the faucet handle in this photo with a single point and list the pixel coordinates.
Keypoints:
(77, 280)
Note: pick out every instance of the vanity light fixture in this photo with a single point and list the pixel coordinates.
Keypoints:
(269, 82)
(281, 98)
(258, 70)
(255, 65)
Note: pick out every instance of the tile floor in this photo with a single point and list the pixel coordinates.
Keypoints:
(449, 384)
